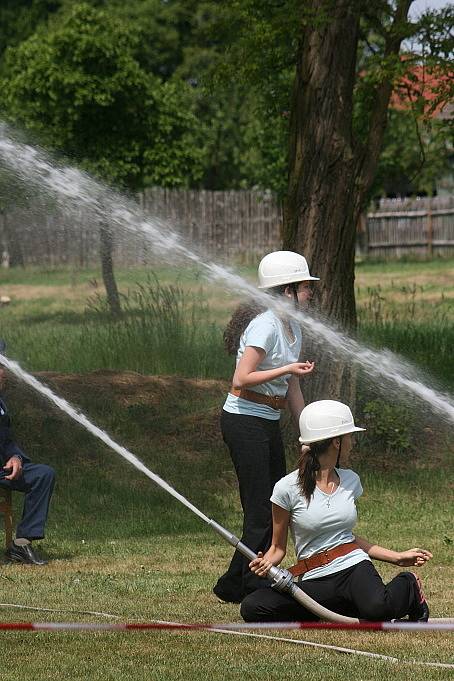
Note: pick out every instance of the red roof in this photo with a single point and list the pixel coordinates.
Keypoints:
(425, 87)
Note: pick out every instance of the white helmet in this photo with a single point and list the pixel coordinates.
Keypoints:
(283, 267)
(325, 419)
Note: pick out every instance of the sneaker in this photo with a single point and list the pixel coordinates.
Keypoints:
(420, 609)
(24, 554)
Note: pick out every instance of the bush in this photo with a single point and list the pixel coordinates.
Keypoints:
(388, 426)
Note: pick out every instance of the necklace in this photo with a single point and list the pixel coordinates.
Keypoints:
(328, 501)
(288, 331)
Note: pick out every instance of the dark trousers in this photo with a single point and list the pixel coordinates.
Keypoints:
(255, 445)
(36, 483)
(356, 592)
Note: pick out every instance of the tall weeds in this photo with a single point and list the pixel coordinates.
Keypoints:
(163, 329)
(420, 330)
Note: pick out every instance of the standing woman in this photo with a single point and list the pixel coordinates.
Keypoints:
(317, 503)
(266, 379)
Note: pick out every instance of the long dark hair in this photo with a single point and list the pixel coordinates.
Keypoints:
(308, 465)
(240, 319)
(244, 314)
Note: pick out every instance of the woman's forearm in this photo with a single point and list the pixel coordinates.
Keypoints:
(295, 398)
(377, 552)
(244, 379)
(274, 555)
(408, 558)
(262, 564)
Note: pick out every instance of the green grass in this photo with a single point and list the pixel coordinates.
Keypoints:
(121, 545)
(429, 345)
(406, 307)
(164, 328)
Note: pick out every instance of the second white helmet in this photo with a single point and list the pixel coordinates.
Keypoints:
(325, 419)
(283, 267)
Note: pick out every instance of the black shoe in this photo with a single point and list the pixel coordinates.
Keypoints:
(420, 610)
(24, 554)
(226, 597)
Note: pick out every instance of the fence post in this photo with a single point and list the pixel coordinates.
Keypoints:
(429, 231)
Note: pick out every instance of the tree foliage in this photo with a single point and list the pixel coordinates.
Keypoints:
(262, 53)
(235, 62)
(80, 87)
(20, 18)
(416, 154)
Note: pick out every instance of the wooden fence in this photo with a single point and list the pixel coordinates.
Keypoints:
(231, 225)
(225, 226)
(417, 227)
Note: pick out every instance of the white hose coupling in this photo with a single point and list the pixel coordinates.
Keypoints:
(282, 579)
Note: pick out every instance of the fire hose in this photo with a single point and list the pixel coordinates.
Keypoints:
(281, 579)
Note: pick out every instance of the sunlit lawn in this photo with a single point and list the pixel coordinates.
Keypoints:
(121, 546)
(405, 306)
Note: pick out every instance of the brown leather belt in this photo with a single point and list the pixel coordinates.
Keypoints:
(322, 558)
(250, 395)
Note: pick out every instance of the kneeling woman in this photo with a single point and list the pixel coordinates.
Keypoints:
(317, 503)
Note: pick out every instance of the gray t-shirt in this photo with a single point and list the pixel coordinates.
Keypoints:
(326, 522)
(266, 332)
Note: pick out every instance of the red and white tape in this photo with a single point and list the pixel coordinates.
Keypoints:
(244, 629)
(444, 626)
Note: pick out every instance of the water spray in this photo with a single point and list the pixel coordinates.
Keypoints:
(74, 190)
(281, 579)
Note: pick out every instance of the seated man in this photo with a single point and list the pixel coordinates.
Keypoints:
(35, 481)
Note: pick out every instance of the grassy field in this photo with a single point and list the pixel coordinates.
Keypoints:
(409, 309)
(56, 319)
(120, 545)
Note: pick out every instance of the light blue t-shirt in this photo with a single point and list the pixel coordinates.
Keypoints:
(326, 522)
(267, 332)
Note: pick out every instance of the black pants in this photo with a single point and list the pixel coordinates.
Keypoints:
(255, 445)
(36, 483)
(356, 592)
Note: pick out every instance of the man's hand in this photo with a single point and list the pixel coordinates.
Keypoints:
(16, 465)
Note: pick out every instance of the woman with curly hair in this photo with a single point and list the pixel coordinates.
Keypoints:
(266, 379)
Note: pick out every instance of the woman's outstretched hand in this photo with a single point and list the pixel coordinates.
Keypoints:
(414, 557)
(301, 368)
(260, 566)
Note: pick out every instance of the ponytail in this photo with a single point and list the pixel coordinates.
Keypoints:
(308, 465)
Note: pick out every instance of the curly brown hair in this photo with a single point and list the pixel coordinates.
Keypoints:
(245, 313)
(240, 319)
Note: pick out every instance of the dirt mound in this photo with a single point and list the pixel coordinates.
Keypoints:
(130, 388)
(182, 412)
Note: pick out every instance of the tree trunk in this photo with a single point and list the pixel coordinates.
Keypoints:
(330, 173)
(106, 250)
